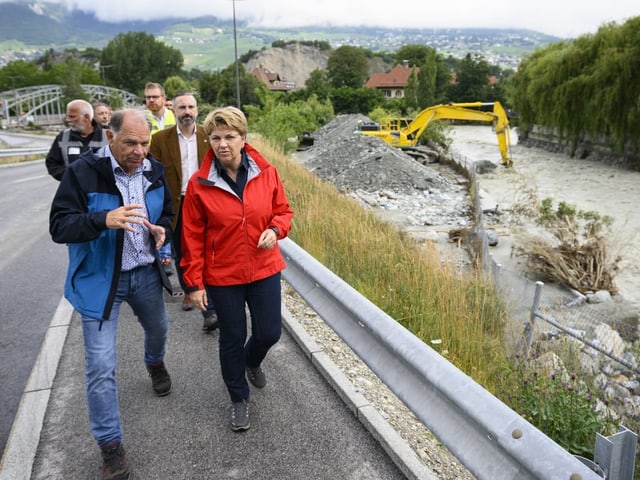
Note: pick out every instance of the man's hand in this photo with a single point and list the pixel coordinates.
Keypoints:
(121, 217)
(157, 231)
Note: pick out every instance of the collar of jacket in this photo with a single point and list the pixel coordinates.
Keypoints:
(152, 169)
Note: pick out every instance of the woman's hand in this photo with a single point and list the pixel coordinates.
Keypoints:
(268, 239)
(199, 299)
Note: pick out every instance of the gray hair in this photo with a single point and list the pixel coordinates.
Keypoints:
(118, 117)
(84, 107)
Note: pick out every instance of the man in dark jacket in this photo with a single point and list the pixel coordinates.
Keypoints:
(113, 208)
(82, 134)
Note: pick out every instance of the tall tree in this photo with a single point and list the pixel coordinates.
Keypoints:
(71, 89)
(348, 67)
(219, 88)
(134, 58)
(175, 84)
(472, 77)
(587, 87)
(318, 84)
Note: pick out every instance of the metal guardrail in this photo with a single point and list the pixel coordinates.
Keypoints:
(489, 438)
(23, 152)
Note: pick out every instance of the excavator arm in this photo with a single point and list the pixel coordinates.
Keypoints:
(399, 134)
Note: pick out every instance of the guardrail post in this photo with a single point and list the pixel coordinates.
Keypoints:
(530, 327)
(616, 454)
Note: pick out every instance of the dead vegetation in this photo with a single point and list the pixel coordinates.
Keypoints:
(577, 251)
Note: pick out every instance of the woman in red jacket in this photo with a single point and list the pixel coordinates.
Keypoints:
(235, 210)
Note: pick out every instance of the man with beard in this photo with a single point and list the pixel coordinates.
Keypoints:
(82, 134)
(181, 150)
(154, 100)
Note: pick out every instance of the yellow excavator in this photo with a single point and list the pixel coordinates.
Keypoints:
(405, 133)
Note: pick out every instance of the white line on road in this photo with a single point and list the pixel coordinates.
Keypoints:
(28, 179)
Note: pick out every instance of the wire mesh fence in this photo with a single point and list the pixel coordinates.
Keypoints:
(544, 313)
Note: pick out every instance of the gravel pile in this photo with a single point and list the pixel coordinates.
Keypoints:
(426, 200)
(351, 162)
(429, 199)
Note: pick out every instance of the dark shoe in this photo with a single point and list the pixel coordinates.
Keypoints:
(256, 377)
(210, 323)
(240, 416)
(160, 379)
(186, 303)
(114, 463)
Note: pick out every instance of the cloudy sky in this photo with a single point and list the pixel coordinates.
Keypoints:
(562, 18)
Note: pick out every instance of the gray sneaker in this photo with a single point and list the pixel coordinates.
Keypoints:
(240, 416)
(256, 377)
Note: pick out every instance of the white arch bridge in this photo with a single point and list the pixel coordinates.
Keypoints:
(42, 104)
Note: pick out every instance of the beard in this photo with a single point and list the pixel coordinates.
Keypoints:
(186, 121)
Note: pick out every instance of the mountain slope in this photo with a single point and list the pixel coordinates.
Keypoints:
(207, 43)
(293, 63)
(50, 23)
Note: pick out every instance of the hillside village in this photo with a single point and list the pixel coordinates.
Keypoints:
(284, 69)
(207, 43)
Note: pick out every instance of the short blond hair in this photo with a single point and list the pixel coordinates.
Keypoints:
(226, 117)
(150, 85)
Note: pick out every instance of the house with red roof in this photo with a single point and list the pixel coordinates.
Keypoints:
(393, 83)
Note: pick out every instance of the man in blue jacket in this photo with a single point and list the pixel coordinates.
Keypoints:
(113, 208)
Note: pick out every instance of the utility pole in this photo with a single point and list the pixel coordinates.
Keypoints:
(235, 47)
(102, 69)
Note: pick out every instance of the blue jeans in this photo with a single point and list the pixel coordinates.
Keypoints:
(264, 302)
(141, 288)
(165, 251)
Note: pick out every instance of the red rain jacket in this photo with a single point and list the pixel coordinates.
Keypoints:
(220, 231)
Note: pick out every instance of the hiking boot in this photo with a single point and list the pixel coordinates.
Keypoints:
(210, 323)
(160, 379)
(256, 377)
(240, 416)
(114, 464)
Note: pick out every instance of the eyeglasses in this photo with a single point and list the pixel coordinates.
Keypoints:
(227, 138)
(152, 97)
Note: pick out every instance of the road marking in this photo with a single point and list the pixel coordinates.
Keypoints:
(29, 179)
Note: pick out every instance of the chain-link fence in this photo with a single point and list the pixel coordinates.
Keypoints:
(549, 318)
(542, 312)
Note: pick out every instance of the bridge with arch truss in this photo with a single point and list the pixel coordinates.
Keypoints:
(42, 105)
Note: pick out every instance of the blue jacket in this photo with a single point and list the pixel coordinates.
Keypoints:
(78, 217)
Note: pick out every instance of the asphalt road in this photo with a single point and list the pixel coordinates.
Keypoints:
(32, 270)
(300, 426)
